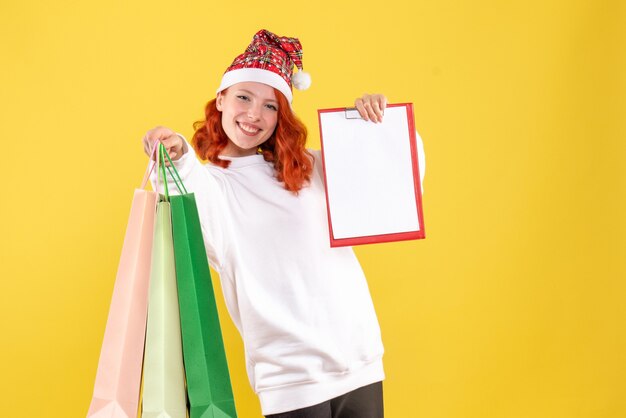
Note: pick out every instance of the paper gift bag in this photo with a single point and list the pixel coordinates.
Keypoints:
(116, 389)
(164, 378)
(164, 381)
(208, 381)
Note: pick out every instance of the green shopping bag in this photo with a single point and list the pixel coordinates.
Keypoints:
(163, 373)
(208, 381)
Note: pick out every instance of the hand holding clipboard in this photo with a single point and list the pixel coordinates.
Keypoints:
(372, 176)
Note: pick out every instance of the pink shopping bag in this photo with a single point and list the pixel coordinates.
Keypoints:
(118, 380)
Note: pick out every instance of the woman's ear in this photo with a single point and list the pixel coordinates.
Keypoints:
(218, 101)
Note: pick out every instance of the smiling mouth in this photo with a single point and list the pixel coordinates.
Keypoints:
(248, 129)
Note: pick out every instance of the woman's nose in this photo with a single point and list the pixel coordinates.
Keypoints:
(254, 111)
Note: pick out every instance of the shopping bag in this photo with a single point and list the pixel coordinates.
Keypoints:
(208, 381)
(164, 379)
(118, 379)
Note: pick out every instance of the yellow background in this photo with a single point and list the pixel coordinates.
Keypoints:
(514, 304)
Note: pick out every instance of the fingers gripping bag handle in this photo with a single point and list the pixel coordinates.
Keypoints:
(157, 160)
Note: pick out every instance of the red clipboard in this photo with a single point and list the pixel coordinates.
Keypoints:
(371, 175)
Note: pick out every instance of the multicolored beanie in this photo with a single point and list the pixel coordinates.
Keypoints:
(269, 59)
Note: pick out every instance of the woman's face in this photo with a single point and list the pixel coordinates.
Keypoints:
(249, 116)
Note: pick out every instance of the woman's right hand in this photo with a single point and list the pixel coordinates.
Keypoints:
(173, 143)
(371, 107)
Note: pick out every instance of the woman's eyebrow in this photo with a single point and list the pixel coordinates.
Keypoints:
(248, 92)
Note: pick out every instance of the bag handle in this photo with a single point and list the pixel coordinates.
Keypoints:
(157, 160)
(152, 162)
(162, 171)
(171, 168)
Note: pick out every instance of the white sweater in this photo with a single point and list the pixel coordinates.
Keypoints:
(303, 309)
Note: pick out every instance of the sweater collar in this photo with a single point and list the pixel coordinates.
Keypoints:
(236, 162)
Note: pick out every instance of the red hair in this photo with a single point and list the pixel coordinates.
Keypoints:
(293, 164)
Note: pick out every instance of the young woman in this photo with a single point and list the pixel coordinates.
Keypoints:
(312, 341)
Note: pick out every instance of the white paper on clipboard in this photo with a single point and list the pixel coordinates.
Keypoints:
(372, 185)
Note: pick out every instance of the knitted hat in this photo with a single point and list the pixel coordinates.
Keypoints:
(269, 59)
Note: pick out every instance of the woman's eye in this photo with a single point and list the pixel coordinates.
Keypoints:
(272, 107)
(242, 97)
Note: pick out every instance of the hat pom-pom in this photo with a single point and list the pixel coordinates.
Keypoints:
(301, 80)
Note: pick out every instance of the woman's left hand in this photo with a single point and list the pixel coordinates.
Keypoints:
(371, 107)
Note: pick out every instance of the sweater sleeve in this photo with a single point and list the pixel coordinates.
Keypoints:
(208, 191)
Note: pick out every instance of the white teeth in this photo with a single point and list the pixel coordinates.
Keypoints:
(248, 129)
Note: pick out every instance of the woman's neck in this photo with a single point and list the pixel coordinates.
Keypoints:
(232, 150)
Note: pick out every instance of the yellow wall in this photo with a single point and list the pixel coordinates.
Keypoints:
(514, 304)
